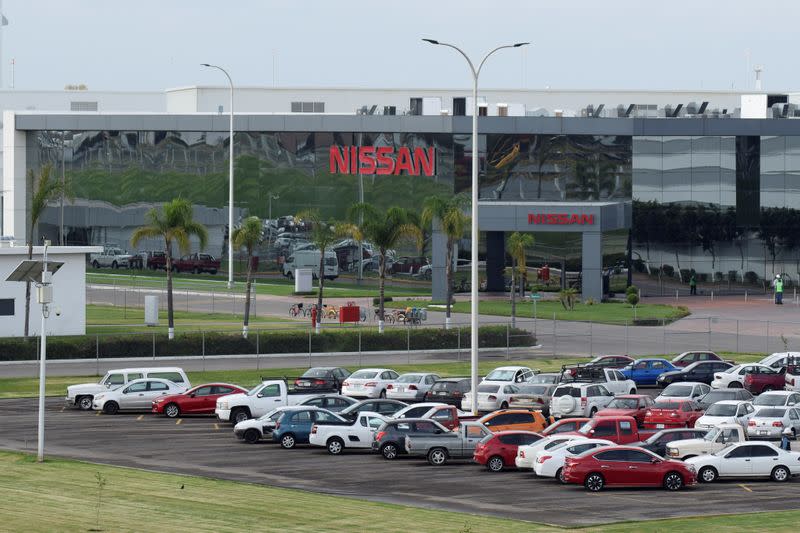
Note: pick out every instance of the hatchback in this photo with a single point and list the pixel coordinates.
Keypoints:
(499, 450)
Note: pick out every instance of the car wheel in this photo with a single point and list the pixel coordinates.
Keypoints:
(111, 408)
(437, 457)
(239, 415)
(288, 442)
(495, 463)
(707, 474)
(594, 482)
(85, 403)
(251, 436)
(633, 391)
(560, 476)
(114, 265)
(734, 385)
(95, 264)
(673, 481)
(389, 451)
(592, 412)
(335, 446)
(172, 410)
(383, 394)
(213, 272)
(779, 473)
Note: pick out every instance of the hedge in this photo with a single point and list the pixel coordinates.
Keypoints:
(263, 342)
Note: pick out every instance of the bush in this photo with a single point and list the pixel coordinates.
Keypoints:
(686, 274)
(377, 301)
(632, 289)
(668, 270)
(732, 276)
(751, 277)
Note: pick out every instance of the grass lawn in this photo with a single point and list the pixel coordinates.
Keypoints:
(601, 313)
(62, 495)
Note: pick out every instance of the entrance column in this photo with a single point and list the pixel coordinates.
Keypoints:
(592, 267)
(495, 261)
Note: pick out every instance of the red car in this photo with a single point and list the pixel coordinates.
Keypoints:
(763, 381)
(635, 405)
(677, 414)
(627, 466)
(565, 425)
(199, 400)
(499, 450)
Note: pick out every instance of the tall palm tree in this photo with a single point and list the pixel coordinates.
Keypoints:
(518, 243)
(453, 220)
(45, 188)
(173, 223)
(324, 234)
(248, 236)
(384, 229)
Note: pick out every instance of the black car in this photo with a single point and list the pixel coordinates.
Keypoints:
(382, 407)
(390, 438)
(448, 390)
(322, 379)
(702, 371)
(332, 402)
(657, 443)
(718, 395)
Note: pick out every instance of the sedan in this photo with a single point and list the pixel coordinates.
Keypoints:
(719, 395)
(369, 383)
(411, 387)
(683, 391)
(627, 466)
(200, 400)
(322, 378)
(332, 402)
(533, 396)
(687, 358)
(448, 390)
(136, 395)
(770, 422)
(550, 378)
(499, 450)
(565, 425)
(550, 463)
(778, 398)
(635, 405)
(680, 414)
(646, 371)
(702, 371)
(726, 412)
(733, 378)
(747, 459)
(382, 407)
(526, 455)
(657, 443)
(491, 396)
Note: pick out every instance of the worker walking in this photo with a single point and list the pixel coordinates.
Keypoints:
(693, 285)
(778, 290)
(785, 436)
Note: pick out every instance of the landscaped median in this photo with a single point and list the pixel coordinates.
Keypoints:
(265, 342)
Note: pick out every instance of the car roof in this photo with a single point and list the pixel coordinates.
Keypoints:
(418, 374)
(692, 383)
(147, 369)
(158, 380)
(732, 402)
(373, 370)
(215, 384)
(633, 396)
(511, 368)
(516, 432)
(428, 404)
(451, 379)
(778, 393)
(488, 416)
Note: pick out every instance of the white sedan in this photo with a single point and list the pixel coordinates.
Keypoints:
(771, 422)
(684, 390)
(526, 455)
(491, 397)
(550, 463)
(411, 387)
(368, 383)
(136, 395)
(747, 459)
(733, 378)
(726, 412)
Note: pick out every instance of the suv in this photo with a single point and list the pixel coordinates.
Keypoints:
(83, 394)
(579, 399)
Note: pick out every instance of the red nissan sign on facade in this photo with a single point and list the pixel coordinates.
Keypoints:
(560, 218)
(382, 160)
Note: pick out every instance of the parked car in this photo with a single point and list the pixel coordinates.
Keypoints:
(136, 395)
(747, 459)
(199, 400)
(196, 263)
(726, 412)
(733, 377)
(499, 450)
(646, 371)
(411, 387)
(448, 390)
(111, 257)
(778, 360)
(408, 265)
(253, 430)
(491, 396)
(677, 414)
(565, 425)
(635, 405)
(336, 435)
(687, 358)
(508, 374)
(535, 396)
(657, 443)
(550, 463)
(369, 382)
(792, 377)
(765, 381)
(618, 429)
(579, 399)
(627, 466)
(83, 394)
(547, 378)
(322, 379)
(778, 398)
(770, 422)
(382, 407)
(701, 371)
(332, 402)
(718, 395)
(526, 455)
(294, 426)
(683, 391)
(716, 439)
(258, 401)
(438, 448)
(447, 415)
(515, 419)
(156, 260)
(603, 361)
(613, 380)
(390, 439)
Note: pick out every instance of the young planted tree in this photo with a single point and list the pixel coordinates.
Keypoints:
(453, 222)
(173, 223)
(323, 234)
(248, 236)
(384, 229)
(518, 243)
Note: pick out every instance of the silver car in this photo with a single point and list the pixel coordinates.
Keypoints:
(411, 387)
(770, 422)
(136, 395)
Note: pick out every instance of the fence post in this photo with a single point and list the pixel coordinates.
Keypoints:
(555, 335)
(626, 337)
(408, 343)
(709, 327)
(154, 346)
(737, 335)
(309, 348)
(97, 353)
(508, 342)
(767, 350)
(258, 351)
(591, 339)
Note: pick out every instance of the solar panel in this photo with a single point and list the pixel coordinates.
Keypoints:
(31, 270)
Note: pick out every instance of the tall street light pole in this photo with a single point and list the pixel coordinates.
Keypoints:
(473, 347)
(230, 179)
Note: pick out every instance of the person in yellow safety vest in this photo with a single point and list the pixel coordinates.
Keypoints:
(778, 290)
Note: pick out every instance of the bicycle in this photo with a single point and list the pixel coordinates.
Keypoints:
(297, 309)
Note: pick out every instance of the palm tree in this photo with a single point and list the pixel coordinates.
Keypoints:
(518, 243)
(45, 188)
(323, 234)
(384, 229)
(453, 221)
(248, 236)
(173, 223)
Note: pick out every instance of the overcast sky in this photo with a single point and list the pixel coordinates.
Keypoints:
(581, 44)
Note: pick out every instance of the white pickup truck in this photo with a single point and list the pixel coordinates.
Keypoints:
(259, 401)
(336, 436)
(715, 440)
(111, 257)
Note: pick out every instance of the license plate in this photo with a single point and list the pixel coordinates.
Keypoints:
(400, 389)
(659, 426)
(303, 384)
(762, 432)
(442, 393)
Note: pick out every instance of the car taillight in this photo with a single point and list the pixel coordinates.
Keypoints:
(370, 384)
(648, 413)
(522, 453)
(319, 382)
(412, 387)
(543, 458)
(379, 435)
(389, 386)
(583, 401)
(751, 423)
(492, 397)
(457, 393)
(346, 384)
(314, 429)
(777, 424)
(748, 378)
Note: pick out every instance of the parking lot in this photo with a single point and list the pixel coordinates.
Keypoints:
(205, 447)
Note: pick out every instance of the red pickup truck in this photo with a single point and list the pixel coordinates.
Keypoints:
(196, 263)
(760, 382)
(617, 429)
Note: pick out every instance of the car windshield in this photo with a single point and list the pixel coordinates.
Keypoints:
(271, 415)
(444, 385)
(409, 378)
(533, 389)
(666, 405)
(544, 378)
(771, 413)
(623, 403)
(501, 375)
(364, 374)
(316, 373)
(733, 369)
(722, 409)
(488, 388)
(770, 399)
(677, 391)
(718, 395)
(567, 391)
(595, 360)
(712, 435)
(588, 426)
(254, 390)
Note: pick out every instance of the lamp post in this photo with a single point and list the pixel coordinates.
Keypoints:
(271, 197)
(230, 179)
(474, 256)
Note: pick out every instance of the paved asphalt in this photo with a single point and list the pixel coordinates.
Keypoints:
(203, 447)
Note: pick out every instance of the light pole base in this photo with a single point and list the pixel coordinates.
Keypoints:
(380, 326)
(171, 333)
(230, 284)
(447, 323)
(317, 328)
(244, 331)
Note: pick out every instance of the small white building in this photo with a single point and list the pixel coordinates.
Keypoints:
(68, 310)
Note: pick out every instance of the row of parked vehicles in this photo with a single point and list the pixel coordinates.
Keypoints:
(196, 263)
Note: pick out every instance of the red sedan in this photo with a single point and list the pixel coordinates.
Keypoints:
(565, 425)
(499, 450)
(200, 400)
(678, 414)
(635, 405)
(627, 466)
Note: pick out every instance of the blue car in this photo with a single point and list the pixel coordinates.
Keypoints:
(646, 371)
(294, 425)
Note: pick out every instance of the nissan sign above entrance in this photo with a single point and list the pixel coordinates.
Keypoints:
(560, 218)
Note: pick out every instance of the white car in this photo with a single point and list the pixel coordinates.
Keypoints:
(550, 463)
(726, 412)
(369, 382)
(411, 386)
(491, 397)
(776, 398)
(747, 459)
(777, 360)
(81, 395)
(509, 374)
(684, 390)
(526, 455)
(770, 422)
(137, 395)
(733, 378)
(255, 429)
(337, 436)
(579, 399)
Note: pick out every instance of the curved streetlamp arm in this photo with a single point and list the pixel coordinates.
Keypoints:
(230, 81)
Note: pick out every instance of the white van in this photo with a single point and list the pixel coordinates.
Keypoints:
(310, 259)
(82, 395)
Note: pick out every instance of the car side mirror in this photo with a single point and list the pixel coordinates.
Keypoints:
(655, 460)
(438, 432)
(259, 395)
(192, 395)
(591, 432)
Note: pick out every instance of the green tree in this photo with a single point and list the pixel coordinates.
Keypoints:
(173, 223)
(248, 236)
(324, 234)
(518, 243)
(384, 229)
(453, 220)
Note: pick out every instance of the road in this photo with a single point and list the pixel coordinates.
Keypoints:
(200, 446)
